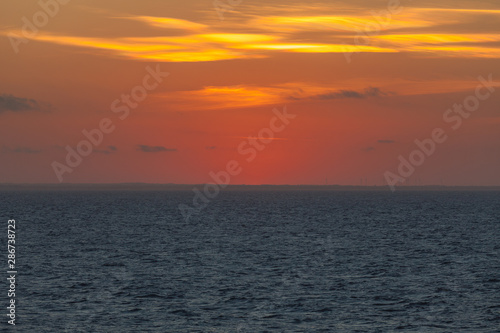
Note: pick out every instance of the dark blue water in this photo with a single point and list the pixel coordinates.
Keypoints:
(256, 262)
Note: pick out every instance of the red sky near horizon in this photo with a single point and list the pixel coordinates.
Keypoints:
(364, 79)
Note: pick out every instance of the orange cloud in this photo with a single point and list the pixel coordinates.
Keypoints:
(221, 97)
(191, 48)
(418, 39)
(337, 22)
(169, 23)
(241, 96)
(199, 47)
(200, 42)
(444, 45)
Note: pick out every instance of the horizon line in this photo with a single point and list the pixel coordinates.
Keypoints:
(137, 185)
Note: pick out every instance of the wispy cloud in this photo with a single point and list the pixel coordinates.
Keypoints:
(21, 150)
(218, 97)
(109, 150)
(386, 141)
(154, 149)
(186, 48)
(368, 92)
(440, 45)
(168, 23)
(19, 104)
(352, 23)
(415, 30)
(239, 96)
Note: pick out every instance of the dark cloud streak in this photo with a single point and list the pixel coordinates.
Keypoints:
(368, 92)
(110, 150)
(21, 150)
(154, 149)
(20, 104)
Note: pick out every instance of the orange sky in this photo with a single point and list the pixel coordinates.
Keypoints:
(365, 79)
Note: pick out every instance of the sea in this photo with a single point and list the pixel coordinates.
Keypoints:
(254, 261)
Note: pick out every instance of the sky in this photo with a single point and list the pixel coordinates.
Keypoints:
(293, 92)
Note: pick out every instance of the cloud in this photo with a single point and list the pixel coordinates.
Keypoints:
(444, 45)
(386, 141)
(21, 150)
(272, 30)
(169, 23)
(211, 147)
(368, 92)
(218, 97)
(109, 150)
(154, 149)
(349, 22)
(19, 104)
(239, 96)
(178, 48)
(368, 149)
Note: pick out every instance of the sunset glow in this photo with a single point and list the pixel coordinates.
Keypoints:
(365, 81)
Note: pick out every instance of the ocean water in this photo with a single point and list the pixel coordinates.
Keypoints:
(257, 261)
